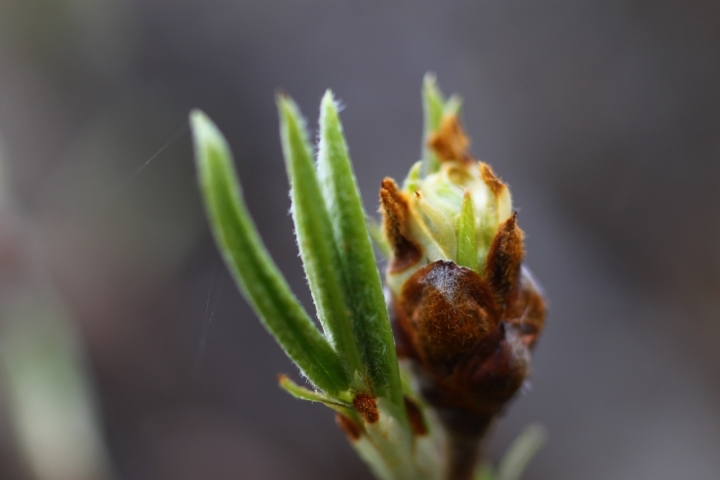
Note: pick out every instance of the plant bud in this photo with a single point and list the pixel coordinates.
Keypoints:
(423, 221)
(466, 312)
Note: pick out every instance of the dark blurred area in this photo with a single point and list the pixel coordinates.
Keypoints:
(603, 116)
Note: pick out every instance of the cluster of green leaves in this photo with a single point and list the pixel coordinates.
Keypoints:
(355, 350)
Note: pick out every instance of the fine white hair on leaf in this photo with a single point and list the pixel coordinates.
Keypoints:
(339, 105)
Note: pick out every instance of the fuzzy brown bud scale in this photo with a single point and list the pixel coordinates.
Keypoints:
(468, 353)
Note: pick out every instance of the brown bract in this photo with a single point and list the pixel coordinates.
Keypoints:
(348, 425)
(504, 259)
(449, 141)
(395, 211)
(491, 180)
(416, 418)
(526, 311)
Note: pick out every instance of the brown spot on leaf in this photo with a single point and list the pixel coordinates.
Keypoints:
(366, 406)
(395, 210)
(449, 141)
(415, 415)
(348, 425)
(504, 259)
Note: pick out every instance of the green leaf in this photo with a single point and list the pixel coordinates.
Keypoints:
(522, 450)
(467, 255)
(361, 275)
(304, 394)
(315, 236)
(433, 104)
(254, 271)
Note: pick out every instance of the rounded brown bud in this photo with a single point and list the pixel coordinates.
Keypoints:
(467, 352)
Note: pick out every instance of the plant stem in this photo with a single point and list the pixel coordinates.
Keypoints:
(465, 433)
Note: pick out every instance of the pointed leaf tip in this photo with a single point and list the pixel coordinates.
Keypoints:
(205, 132)
(328, 98)
(430, 79)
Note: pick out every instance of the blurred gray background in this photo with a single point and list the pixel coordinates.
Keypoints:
(603, 116)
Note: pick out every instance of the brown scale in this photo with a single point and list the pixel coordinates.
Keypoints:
(491, 180)
(504, 260)
(416, 418)
(348, 425)
(449, 141)
(395, 210)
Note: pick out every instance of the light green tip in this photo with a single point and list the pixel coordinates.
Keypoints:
(433, 103)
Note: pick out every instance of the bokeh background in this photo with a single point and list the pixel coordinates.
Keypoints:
(603, 116)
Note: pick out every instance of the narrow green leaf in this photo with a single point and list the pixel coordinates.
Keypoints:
(433, 103)
(361, 275)
(467, 255)
(254, 271)
(303, 393)
(315, 236)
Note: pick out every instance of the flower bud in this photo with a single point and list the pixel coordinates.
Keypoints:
(425, 220)
(466, 312)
